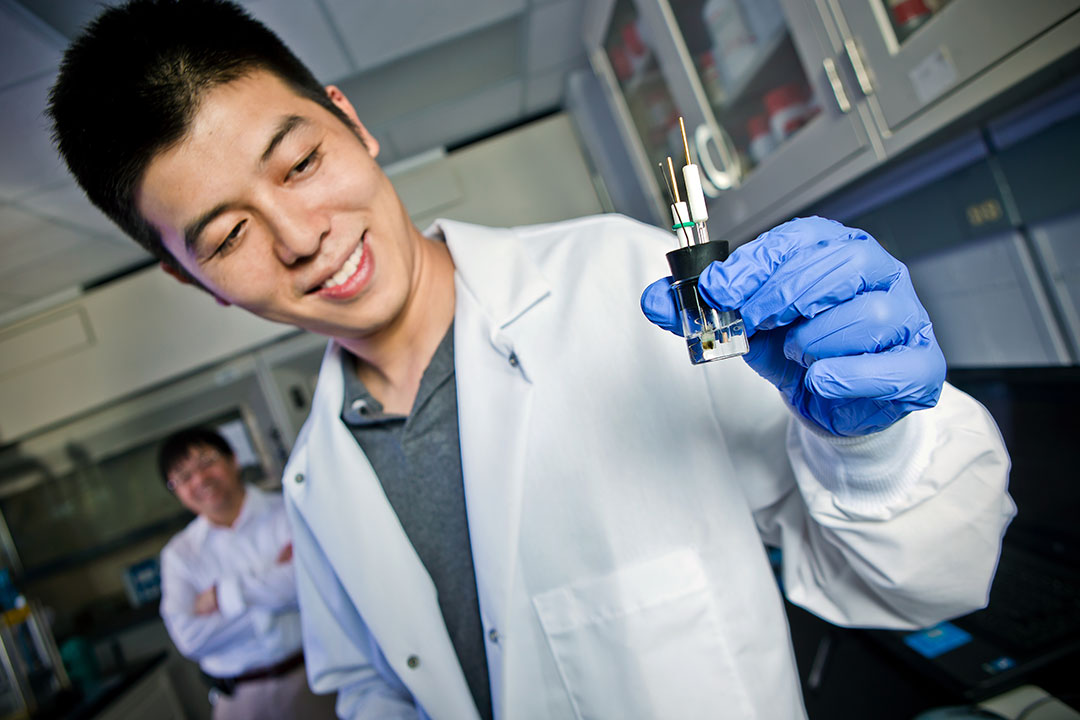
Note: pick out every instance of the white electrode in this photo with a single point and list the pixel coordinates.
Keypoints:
(694, 194)
(680, 216)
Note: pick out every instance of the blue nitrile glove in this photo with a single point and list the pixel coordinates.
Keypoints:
(833, 322)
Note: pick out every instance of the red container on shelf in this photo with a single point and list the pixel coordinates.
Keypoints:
(787, 109)
(620, 63)
(909, 15)
(762, 142)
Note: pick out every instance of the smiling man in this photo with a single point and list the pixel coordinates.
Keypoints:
(228, 589)
(514, 497)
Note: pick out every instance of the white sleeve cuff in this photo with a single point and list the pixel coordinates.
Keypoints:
(230, 598)
(870, 477)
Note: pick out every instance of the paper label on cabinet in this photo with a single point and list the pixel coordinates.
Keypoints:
(933, 76)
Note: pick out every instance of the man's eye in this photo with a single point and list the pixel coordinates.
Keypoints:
(305, 165)
(230, 239)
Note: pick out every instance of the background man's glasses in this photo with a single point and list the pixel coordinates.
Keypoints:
(183, 474)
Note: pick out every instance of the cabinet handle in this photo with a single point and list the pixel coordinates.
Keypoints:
(721, 179)
(837, 86)
(857, 64)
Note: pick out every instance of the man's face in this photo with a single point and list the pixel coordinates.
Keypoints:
(273, 204)
(205, 481)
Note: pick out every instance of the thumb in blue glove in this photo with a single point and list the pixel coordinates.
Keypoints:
(833, 321)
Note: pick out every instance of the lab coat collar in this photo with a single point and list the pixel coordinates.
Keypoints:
(494, 269)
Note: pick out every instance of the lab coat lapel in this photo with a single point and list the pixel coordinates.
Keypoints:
(343, 503)
(496, 285)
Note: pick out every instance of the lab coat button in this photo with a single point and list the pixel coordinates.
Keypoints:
(299, 478)
(493, 636)
(413, 662)
(513, 360)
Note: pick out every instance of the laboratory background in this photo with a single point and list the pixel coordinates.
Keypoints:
(948, 129)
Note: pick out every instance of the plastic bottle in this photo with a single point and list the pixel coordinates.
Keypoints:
(787, 110)
(734, 46)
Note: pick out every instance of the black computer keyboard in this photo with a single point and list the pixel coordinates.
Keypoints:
(1033, 605)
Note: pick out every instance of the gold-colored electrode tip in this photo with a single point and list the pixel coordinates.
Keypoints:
(685, 145)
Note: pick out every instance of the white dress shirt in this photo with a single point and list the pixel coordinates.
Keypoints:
(258, 622)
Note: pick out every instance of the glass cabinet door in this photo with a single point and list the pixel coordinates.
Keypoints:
(626, 58)
(754, 80)
(759, 84)
(909, 53)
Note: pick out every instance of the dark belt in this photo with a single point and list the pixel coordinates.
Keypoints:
(227, 685)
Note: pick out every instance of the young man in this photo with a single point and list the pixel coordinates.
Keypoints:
(228, 589)
(514, 497)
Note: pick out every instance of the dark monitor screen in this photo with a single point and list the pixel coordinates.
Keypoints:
(1037, 410)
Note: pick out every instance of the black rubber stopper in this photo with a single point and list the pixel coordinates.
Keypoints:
(688, 262)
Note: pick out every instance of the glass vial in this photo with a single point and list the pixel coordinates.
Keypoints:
(710, 334)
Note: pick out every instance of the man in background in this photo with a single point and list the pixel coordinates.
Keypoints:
(228, 587)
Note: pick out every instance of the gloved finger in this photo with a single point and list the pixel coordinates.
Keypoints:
(868, 323)
(820, 277)
(658, 304)
(766, 357)
(802, 268)
(748, 268)
(912, 374)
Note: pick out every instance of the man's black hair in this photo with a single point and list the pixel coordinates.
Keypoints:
(178, 446)
(131, 83)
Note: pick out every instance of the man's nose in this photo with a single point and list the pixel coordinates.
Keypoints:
(298, 232)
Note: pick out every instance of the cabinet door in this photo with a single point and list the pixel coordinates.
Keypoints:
(907, 54)
(634, 58)
(767, 107)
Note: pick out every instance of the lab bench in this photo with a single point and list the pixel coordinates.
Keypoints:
(846, 675)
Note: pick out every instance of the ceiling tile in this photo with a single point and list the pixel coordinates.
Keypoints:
(88, 260)
(26, 238)
(303, 26)
(378, 32)
(68, 203)
(554, 35)
(458, 120)
(67, 17)
(26, 48)
(30, 162)
(442, 73)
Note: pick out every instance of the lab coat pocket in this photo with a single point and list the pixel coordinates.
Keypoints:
(644, 642)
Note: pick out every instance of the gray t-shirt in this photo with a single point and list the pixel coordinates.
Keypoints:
(418, 461)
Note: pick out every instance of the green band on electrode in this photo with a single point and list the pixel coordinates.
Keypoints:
(680, 226)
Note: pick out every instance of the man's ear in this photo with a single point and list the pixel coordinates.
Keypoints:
(176, 274)
(338, 98)
(185, 280)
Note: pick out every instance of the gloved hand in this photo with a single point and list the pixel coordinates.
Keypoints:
(833, 322)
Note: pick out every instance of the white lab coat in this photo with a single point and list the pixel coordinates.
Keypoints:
(617, 500)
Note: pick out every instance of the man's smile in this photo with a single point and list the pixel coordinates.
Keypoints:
(351, 276)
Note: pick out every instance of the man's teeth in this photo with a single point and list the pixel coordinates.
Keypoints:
(347, 269)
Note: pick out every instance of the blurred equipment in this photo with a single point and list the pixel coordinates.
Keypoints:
(142, 581)
(32, 671)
